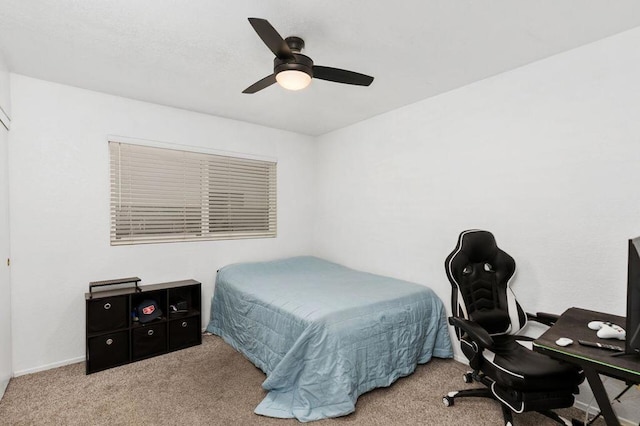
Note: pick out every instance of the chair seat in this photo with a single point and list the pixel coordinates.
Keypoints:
(516, 367)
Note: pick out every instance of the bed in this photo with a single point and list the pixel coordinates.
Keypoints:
(323, 333)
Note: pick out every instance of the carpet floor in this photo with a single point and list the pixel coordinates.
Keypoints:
(212, 384)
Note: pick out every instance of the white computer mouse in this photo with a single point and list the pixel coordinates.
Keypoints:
(564, 341)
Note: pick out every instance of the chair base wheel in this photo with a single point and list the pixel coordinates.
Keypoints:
(468, 377)
(447, 401)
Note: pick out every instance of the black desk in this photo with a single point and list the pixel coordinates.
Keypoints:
(573, 324)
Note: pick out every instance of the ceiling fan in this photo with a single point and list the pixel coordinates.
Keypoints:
(293, 70)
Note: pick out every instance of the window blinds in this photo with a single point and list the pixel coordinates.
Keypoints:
(167, 195)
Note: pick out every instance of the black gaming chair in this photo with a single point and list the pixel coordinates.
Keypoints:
(486, 317)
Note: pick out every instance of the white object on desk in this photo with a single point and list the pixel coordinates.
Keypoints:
(564, 341)
(607, 330)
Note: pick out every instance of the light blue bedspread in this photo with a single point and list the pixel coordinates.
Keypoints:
(323, 333)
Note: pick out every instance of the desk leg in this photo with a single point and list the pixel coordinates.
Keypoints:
(601, 397)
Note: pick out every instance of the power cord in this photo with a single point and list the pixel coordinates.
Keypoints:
(588, 422)
(586, 414)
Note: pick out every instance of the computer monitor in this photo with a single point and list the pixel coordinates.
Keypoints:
(632, 343)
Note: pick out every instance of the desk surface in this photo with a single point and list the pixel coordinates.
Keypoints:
(573, 324)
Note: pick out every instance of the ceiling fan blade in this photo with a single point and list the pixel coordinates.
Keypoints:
(341, 76)
(262, 84)
(271, 38)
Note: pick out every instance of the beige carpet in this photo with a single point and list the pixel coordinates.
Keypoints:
(212, 384)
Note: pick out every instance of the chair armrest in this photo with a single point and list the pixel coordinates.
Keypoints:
(475, 332)
(543, 318)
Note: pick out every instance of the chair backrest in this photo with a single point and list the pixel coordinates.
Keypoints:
(480, 273)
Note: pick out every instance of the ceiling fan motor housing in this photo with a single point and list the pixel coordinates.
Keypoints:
(296, 44)
(299, 62)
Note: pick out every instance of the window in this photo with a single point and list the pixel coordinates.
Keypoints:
(166, 195)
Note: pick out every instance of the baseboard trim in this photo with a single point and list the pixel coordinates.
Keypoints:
(461, 359)
(3, 386)
(48, 366)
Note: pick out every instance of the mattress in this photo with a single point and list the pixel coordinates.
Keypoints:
(323, 333)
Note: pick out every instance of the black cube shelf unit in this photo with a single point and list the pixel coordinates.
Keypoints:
(114, 337)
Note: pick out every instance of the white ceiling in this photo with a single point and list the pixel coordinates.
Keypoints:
(200, 54)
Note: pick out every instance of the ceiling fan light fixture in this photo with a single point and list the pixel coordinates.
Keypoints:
(293, 79)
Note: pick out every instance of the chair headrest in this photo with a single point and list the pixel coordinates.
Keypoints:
(477, 245)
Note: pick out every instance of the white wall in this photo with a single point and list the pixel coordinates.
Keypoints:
(59, 204)
(547, 157)
(5, 276)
